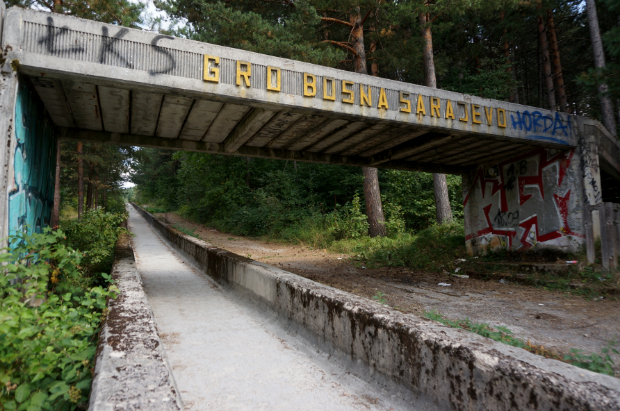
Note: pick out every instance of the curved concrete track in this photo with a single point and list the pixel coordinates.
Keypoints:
(226, 355)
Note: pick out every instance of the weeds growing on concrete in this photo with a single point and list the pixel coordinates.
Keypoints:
(600, 363)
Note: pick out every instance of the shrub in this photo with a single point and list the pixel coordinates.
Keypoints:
(431, 249)
(348, 221)
(48, 325)
(95, 234)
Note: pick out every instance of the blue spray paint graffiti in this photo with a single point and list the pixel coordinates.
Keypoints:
(31, 191)
(554, 127)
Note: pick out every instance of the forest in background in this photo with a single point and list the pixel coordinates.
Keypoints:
(539, 53)
(536, 53)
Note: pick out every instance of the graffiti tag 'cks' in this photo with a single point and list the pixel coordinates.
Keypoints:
(108, 46)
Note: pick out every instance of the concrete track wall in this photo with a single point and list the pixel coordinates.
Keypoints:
(131, 371)
(457, 369)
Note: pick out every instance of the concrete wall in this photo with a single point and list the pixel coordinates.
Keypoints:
(31, 164)
(536, 200)
(131, 370)
(528, 202)
(454, 368)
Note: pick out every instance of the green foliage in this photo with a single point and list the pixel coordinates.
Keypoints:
(380, 298)
(95, 234)
(154, 209)
(190, 232)
(601, 363)
(413, 193)
(121, 12)
(48, 325)
(429, 250)
(499, 333)
(348, 221)
(273, 29)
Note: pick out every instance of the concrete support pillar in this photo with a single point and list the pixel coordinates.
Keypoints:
(591, 185)
(608, 236)
(8, 91)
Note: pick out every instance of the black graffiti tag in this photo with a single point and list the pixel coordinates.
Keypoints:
(53, 33)
(108, 46)
(108, 43)
(171, 63)
(504, 218)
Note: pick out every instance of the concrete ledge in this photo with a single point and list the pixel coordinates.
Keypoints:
(131, 371)
(454, 368)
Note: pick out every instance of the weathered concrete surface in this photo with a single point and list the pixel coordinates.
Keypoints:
(457, 369)
(131, 370)
(226, 355)
(528, 202)
(8, 92)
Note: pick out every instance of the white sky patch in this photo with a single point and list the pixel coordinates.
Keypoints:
(150, 14)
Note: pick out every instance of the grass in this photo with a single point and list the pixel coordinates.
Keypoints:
(601, 363)
(154, 209)
(184, 230)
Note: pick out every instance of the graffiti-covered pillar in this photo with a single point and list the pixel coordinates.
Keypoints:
(27, 148)
(528, 202)
(8, 91)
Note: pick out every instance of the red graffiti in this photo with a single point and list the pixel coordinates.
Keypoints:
(562, 203)
(563, 160)
(527, 226)
(501, 184)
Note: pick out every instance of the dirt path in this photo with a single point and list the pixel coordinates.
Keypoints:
(558, 321)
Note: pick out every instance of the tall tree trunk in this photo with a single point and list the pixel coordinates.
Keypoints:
(372, 192)
(554, 50)
(96, 191)
(544, 50)
(105, 198)
(372, 195)
(80, 150)
(514, 97)
(89, 190)
(607, 107)
(247, 171)
(443, 211)
(55, 218)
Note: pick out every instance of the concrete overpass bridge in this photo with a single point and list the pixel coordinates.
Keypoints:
(529, 174)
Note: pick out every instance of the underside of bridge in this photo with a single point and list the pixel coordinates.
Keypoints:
(527, 172)
(102, 111)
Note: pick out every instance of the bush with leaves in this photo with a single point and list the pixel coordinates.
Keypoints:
(348, 221)
(49, 321)
(95, 234)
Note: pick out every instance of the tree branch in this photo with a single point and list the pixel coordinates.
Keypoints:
(365, 17)
(341, 44)
(346, 23)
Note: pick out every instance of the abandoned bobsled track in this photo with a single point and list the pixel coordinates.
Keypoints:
(336, 346)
